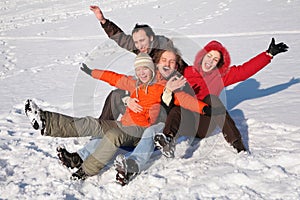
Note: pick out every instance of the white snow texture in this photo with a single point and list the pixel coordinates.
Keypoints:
(43, 43)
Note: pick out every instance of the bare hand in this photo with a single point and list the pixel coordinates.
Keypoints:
(132, 104)
(175, 83)
(98, 13)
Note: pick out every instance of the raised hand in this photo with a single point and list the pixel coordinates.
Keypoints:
(175, 83)
(275, 49)
(98, 13)
(86, 69)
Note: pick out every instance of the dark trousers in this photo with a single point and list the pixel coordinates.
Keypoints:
(113, 105)
(179, 120)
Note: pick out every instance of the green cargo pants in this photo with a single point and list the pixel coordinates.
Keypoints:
(113, 135)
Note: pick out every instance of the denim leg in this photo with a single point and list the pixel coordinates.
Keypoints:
(145, 147)
(88, 148)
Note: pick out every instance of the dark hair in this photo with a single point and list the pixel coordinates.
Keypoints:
(145, 27)
(221, 61)
(179, 61)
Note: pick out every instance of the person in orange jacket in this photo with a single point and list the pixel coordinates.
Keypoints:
(143, 86)
(126, 132)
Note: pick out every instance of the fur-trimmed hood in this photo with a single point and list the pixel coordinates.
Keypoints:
(213, 45)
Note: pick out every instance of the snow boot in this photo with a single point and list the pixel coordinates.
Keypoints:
(166, 144)
(33, 112)
(121, 168)
(70, 160)
(132, 166)
(238, 145)
(126, 169)
(79, 175)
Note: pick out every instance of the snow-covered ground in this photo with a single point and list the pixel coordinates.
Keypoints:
(42, 44)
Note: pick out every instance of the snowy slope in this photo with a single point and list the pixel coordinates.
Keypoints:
(42, 44)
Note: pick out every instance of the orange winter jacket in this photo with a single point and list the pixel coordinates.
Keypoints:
(149, 97)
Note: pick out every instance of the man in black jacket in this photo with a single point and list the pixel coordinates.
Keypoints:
(142, 39)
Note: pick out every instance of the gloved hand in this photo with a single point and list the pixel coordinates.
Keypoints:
(275, 49)
(86, 69)
(209, 111)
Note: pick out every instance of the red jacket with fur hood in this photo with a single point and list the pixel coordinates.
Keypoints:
(213, 82)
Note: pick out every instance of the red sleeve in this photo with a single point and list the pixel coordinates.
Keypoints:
(247, 69)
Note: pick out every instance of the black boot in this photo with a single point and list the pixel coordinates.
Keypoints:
(79, 175)
(166, 144)
(238, 145)
(70, 160)
(126, 169)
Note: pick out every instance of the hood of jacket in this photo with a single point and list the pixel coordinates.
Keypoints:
(213, 45)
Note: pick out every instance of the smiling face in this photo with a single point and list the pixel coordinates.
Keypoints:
(167, 63)
(210, 60)
(144, 74)
(142, 41)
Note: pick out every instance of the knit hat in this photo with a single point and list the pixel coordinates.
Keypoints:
(144, 60)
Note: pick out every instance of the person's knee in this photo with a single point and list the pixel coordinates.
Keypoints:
(117, 94)
(149, 132)
(209, 98)
(114, 137)
(213, 101)
(175, 111)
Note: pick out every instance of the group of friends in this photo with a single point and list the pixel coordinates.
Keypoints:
(166, 98)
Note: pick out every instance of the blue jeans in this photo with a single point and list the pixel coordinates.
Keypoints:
(89, 148)
(142, 151)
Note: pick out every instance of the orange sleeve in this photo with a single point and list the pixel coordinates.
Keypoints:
(189, 102)
(118, 80)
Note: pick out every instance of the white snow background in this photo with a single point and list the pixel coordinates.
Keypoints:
(42, 44)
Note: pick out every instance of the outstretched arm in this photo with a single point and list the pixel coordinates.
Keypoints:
(113, 31)
(98, 13)
(120, 81)
(251, 67)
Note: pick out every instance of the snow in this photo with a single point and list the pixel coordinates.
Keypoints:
(42, 46)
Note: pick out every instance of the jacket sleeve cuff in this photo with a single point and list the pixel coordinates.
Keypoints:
(167, 96)
(105, 24)
(268, 54)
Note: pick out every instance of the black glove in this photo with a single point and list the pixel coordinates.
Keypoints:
(209, 111)
(86, 69)
(275, 49)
